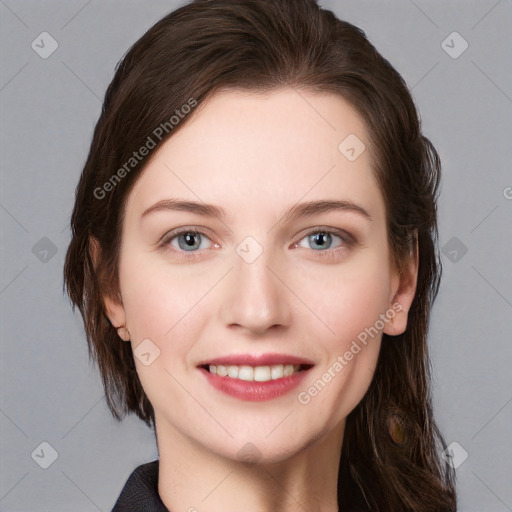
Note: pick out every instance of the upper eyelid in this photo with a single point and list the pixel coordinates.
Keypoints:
(173, 233)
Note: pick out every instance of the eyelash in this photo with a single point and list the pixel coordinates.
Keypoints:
(346, 239)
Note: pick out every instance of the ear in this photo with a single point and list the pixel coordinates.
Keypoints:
(113, 306)
(403, 291)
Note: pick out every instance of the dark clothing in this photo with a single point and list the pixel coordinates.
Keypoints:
(140, 493)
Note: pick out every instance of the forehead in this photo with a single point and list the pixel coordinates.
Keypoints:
(262, 149)
(290, 122)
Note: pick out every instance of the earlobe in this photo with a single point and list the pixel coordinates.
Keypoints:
(116, 314)
(402, 299)
(123, 333)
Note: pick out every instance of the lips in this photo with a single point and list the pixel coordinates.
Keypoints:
(255, 377)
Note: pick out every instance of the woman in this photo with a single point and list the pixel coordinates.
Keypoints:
(254, 256)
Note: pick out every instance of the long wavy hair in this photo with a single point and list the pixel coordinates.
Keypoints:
(390, 460)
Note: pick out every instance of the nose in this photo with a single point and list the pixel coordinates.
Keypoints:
(256, 298)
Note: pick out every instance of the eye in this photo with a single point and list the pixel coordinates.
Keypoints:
(321, 240)
(186, 240)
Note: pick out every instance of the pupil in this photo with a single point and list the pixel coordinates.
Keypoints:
(318, 235)
(190, 239)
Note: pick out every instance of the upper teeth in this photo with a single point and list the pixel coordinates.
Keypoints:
(255, 373)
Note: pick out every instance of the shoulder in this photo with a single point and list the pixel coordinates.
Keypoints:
(140, 493)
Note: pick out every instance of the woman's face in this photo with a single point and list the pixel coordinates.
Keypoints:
(259, 289)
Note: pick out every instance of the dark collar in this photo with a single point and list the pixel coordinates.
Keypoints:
(140, 493)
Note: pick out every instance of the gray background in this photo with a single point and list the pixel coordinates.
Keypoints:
(49, 391)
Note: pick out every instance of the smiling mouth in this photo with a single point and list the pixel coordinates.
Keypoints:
(256, 373)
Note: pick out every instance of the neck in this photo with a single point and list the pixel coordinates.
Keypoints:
(193, 479)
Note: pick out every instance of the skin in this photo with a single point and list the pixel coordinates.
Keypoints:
(256, 155)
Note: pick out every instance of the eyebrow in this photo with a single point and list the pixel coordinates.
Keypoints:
(307, 209)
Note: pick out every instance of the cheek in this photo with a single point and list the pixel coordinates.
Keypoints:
(346, 299)
(162, 305)
(154, 298)
(348, 302)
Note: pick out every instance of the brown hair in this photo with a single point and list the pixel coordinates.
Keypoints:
(390, 458)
